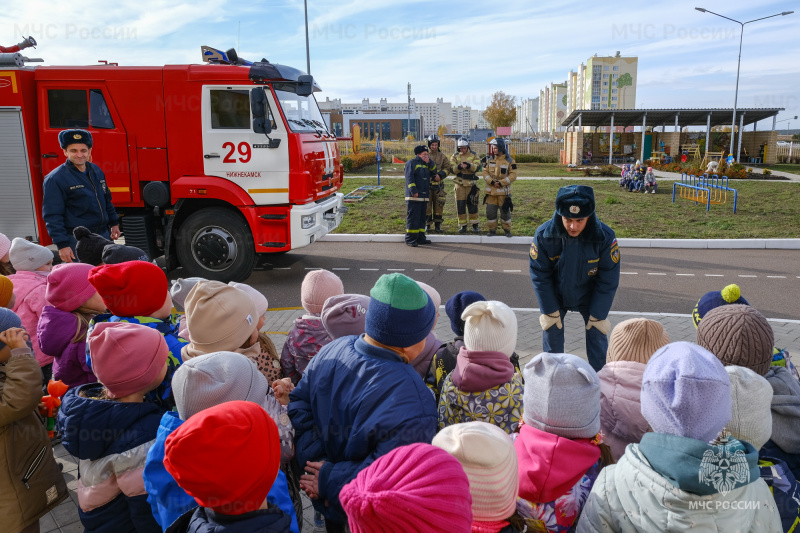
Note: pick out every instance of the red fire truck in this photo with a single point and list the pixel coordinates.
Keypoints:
(209, 164)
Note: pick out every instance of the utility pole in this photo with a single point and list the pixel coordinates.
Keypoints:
(409, 108)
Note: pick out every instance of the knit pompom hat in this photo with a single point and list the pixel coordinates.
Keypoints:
(636, 339)
(27, 255)
(738, 335)
(242, 443)
(318, 286)
(686, 392)
(403, 491)
(179, 290)
(456, 305)
(215, 378)
(490, 461)
(68, 286)
(6, 290)
(127, 358)
(219, 317)
(751, 394)
(259, 300)
(400, 314)
(90, 246)
(5, 245)
(345, 314)
(731, 294)
(8, 319)
(490, 326)
(562, 396)
(135, 288)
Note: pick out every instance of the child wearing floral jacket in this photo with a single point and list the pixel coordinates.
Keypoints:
(484, 386)
(558, 445)
(308, 334)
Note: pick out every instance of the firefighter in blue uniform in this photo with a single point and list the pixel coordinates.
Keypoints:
(76, 194)
(574, 266)
(418, 183)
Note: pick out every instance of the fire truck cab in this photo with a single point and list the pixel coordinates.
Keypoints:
(209, 164)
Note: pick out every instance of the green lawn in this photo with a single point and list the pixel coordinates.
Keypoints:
(764, 210)
(538, 170)
(786, 167)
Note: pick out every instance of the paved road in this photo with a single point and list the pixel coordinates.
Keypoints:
(653, 280)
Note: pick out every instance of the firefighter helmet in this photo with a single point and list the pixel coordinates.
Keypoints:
(462, 142)
(500, 143)
(433, 139)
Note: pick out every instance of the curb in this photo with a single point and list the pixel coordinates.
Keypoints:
(710, 244)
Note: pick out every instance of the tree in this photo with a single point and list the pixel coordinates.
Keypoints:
(626, 80)
(501, 112)
(441, 131)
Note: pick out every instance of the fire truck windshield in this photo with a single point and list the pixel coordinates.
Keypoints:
(302, 112)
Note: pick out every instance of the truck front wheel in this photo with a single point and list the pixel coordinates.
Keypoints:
(215, 243)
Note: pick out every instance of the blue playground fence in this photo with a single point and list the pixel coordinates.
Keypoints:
(704, 189)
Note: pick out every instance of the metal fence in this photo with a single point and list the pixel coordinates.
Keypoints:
(405, 149)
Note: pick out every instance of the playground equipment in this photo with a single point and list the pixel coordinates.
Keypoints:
(704, 189)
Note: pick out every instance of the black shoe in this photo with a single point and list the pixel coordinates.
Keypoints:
(438, 228)
(491, 233)
(425, 241)
(412, 244)
(508, 233)
(475, 229)
(462, 230)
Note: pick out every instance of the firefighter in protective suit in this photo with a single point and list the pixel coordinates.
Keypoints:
(499, 173)
(438, 195)
(465, 165)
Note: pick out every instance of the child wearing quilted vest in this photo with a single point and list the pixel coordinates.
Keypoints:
(64, 324)
(5, 262)
(33, 264)
(484, 384)
(751, 421)
(137, 292)
(411, 474)
(31, 484)
(739, 335)
(423, 361)
(110, 428)
(199, 384)
(487, 456)
(731, 294)
(558, 446)
(684, 474)
(241, 440)
(308, 335)
(630, 346)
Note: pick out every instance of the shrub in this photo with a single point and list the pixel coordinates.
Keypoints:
(767, 172)
(352, 162)
(532, 158)
(609, 170)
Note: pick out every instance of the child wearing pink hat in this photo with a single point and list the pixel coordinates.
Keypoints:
(110, 428)
(308, 334)
(33, 264)
(403, 491)
(64, 324)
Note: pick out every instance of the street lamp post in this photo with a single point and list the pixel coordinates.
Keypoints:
(787, 122)
(739, 63)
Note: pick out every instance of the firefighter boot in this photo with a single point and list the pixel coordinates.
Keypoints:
(508, 233)
(491, 233)
(475, 229)
(438, 228)
(462, 230)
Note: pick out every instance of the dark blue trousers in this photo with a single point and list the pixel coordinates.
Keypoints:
(415, 220)
(596, 341)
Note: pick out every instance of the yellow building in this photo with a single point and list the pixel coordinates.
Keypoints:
(609, 83)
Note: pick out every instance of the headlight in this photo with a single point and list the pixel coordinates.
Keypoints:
(308, 221)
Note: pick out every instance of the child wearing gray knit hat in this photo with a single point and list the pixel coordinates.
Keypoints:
(200, 383)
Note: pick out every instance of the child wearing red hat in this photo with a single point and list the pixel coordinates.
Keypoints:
(137, 292)
(241, 441)
(110, 428)
(64, 324)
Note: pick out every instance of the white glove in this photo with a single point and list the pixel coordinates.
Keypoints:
(547, 321)
(603, 326)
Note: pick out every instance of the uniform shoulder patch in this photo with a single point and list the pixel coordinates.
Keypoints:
(534, 251)
(615, 251)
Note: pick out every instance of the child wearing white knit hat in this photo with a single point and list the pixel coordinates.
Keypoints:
(484, 385)
(490, 462)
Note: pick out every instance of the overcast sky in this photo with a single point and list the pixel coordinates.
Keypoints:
(459, 51)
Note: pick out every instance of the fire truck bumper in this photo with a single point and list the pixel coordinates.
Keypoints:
(312, 221)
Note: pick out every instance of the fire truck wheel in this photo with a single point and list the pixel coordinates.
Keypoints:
(215, 243)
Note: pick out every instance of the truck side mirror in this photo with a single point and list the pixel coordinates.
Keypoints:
(305, 85)
(258, 108)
